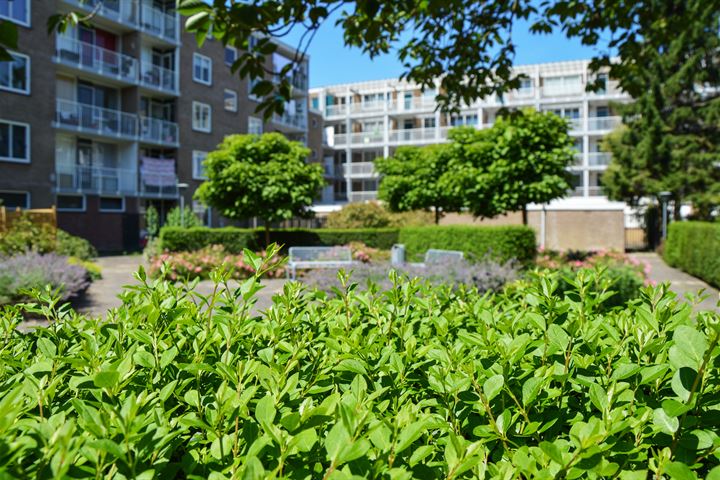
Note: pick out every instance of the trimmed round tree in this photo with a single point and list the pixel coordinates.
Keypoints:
(264, 176)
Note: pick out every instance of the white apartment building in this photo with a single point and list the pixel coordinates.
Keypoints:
(367, 120)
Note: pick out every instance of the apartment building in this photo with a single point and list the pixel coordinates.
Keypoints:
(106, 119)
(367, 120)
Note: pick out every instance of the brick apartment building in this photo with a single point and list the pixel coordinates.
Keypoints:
(104, 120)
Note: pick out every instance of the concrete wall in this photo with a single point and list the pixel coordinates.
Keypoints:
(564, 229)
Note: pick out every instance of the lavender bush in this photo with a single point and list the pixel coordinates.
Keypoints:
(34, 270)
(486, 275)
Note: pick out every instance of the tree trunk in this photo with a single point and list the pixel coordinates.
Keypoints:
(437, 216)
(524, 215)
(267, 234)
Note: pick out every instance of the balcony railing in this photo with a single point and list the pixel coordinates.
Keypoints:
(92, 119)
(562, 90)
(119, 11)
(158, 23)
(89, 57)
(335, 110)
(291, 120)
(92, 179)
(157, 77)
(359, 169)
(155, 130)
(603, 123)
(362, 196)
(595, 191)
(413, 104)
(358, 138)
(367, 107)
(411, 135)
(578, 160)
(599, 159)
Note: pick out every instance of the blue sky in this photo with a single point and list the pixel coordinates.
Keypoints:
(331, 62)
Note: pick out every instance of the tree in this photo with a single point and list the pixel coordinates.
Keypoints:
(671, 137)
(521, 159)
(411, 180)
(262, 176)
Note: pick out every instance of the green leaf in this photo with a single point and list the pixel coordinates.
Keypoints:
(303, 441)
(265, 410)
(106, 379)
(144, 359)
(679, 471)
(713, 474)
(552, 451)
(689, 348)
(419, 454)
(666, 423)
(530, 390)
(599, 397)
(682, 382)
(192, 398)
(493, 386)
(47, 347)
(409, 434)
(673, 408)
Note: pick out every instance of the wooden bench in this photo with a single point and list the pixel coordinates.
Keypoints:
(318, 257)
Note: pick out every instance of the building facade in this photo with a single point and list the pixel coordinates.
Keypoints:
(106, 119)
(367, 120)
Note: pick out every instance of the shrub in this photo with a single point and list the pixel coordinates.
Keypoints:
(32, 270)
(93, 269)
(175, 218)
(234, 240)
(375, 215)
(382, 238)
(694, 247)
(500, 243)
(200, 263)
(413, 382)
(23, 234)
(152, 221)
(72, 246)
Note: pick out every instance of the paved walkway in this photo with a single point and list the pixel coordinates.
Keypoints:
(680, 282)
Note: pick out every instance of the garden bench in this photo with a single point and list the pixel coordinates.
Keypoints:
(318, 257)
(433, 256)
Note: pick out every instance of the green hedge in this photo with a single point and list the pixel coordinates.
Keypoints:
(501, 243)
(694, 247)
(178, 239)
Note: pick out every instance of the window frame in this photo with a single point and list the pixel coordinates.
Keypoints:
(195, 155)
(28, 20)
(27, 160)
(60, 209)
(235, 95)
(27, 75)
(235, 55)
(196, 104)
(25, 192)
(250, 118)
(110, 210)
(202, 58)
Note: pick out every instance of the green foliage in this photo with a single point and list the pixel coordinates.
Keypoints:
(672, 133)
(152, 221)
(262, 176)
(176, 217)
(382, 238)
(94, 270)
(694, 247)
(234, 240)
(413, 382)
(23, 234)
(499, 243)
(413, 180)
(375, 215)
(617, 285)
(72, 246)
(8, 40)
(521, 159)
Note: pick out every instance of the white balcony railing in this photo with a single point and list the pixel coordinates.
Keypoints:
(411, 135)
(367, 107)
(120, 11)
(158, 23)
(93, 179)
(296, 121)
(335, 110)
(575, 124)
(155, 76)
(359, 169)
(413, 104)
(603, 123)
(155, 130)
(578, 160)
(562, 90)
(89, 57)
(362, 196)
(599, 159)
(92, 119)
(595, 191)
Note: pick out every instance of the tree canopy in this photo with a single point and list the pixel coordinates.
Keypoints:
(262, 176)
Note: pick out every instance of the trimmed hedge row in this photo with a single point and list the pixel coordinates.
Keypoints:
(694, 247)
(501, 243)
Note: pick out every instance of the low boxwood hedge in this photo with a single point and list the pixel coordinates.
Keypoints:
(177, 239)
(500, 243)
(694, 247)
(382, 238)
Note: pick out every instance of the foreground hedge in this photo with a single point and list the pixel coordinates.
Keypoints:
(178, 239)
(501, 243)
(694, 247)
(415, 382)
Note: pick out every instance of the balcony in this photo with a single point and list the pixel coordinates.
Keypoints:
(91, 58)
(359, 169)
(158, 23)
(359, 138)
(595, 191)
(367, 107)
(124, 12)
(96, 180)
(293, 121)
(599, 159)
(158, 131)
(419, 135)
(603, 123)
(335, 110)
(362, 196)
(413, 104)
(158, 78)
(578, 160)
(575, 124)
(90, 119)
(563, 90)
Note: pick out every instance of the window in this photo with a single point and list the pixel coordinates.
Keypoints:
(202, 117)
(198, 158)
(315, 103)
(255, 126)
(202, 69)
(230, 56)
(602, 112)
(13, 200)
(602, 81)
(251, 84)
(231, 100)
(17, 11)
(71, 203)
(112, 204)
(15, 75)
(14, 142)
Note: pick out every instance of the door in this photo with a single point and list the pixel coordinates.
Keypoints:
(84, 162)
(106, 54)
(87, 42)
(86, 104)
(408, 100)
